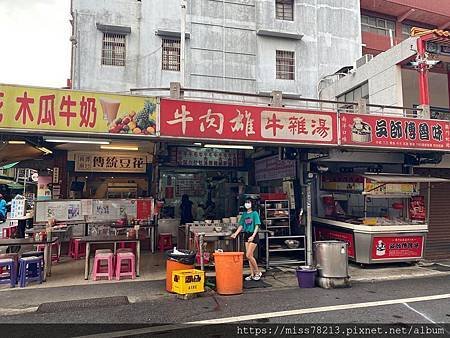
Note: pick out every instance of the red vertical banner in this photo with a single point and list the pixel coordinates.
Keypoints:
(417, 209)
(144, 208)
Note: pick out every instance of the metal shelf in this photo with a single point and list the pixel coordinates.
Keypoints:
(286, 250)
(285, 261)
(278, 209)
(269, 218)
(276, 226)
(287, 237)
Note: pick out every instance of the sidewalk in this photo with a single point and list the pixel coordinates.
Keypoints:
(14, 301)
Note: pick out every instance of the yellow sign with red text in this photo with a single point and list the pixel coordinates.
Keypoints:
(49, 109)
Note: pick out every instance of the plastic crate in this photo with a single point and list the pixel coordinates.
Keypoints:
(188, 281)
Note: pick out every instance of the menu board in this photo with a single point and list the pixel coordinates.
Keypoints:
(62, 211)
(193, 185)
(90, 210)
(209, 157)
(110, 210)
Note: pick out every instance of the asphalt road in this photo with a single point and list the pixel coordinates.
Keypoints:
(358, 304)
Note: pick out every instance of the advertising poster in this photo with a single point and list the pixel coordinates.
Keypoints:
(76, 111)
(397, 247)
(44, 191)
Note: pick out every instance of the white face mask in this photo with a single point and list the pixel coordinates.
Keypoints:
(247, 205)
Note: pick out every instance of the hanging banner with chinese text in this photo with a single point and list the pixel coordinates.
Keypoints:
(394, 132)
(48, 109)
(213, 121)
(98, 162)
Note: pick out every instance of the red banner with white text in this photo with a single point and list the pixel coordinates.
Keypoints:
(377, 131)
(227, 122)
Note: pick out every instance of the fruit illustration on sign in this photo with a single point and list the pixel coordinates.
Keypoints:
(139, 123)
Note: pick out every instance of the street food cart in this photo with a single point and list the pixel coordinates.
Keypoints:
(382, 217)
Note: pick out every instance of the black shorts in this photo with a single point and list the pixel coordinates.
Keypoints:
(247, 235)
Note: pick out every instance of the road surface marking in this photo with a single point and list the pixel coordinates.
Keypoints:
(319, 309)
(171, 327)
(419, 313)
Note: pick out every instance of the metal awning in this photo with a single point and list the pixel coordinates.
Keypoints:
(398, 178)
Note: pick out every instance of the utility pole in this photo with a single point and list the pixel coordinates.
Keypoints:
(183, 43)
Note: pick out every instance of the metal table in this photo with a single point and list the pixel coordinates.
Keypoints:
(110, 239)
(31, 241)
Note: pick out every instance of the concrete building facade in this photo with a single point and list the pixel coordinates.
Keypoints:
(251, 46)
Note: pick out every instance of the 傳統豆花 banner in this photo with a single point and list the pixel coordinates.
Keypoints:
(48, 109)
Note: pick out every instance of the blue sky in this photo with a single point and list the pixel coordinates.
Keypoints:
(34, 42)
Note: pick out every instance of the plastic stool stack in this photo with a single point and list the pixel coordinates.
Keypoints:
(7, 232)
(33, 266)
(165, 241)
(125, 265)
(14, 256)
(25, 274)
(77, 248)
(100, 270)
(10, 276)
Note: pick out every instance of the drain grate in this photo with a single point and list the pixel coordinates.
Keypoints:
(70, 305)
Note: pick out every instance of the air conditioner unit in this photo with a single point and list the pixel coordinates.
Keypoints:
(363, 60)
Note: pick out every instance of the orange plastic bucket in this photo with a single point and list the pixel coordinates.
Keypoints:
(174, 266)
(229, 272)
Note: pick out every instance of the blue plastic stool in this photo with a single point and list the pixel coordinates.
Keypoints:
(10, 265)
(25, 274)
(33, 266)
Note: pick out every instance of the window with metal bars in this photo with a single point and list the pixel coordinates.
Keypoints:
(285, 64)
(171, 54)
(113, 49)
(284, 10)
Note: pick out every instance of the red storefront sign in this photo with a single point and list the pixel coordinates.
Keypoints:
(393, 132)
(397, 247)
(324, 234)
(227, 122)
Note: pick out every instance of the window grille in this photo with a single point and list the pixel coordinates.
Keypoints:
(285, 64)
(113, 49)
(171, 54)
(284, 10)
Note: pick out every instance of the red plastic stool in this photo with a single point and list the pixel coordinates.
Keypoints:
(128, 245)
(7, 232)
(164, 241)
(125, 260)
(77, 248)
(98, 270)
(55, 257)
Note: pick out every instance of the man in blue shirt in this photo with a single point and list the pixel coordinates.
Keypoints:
(2, 209)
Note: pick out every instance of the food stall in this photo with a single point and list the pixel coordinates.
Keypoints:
(382, 217)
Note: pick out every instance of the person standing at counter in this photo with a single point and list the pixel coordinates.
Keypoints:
(186, 210)
(249, 223)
